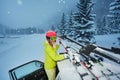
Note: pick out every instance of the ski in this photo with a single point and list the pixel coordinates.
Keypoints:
(112, 73)
(107, 77)
(88, 60)
(75, 58)
(97, 60)
(84, 58)
(93, 48)
(104, 68)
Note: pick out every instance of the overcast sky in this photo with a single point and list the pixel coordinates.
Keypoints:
(25, 13)
(42, 13)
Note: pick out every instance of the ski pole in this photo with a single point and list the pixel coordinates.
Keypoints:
(63, 45)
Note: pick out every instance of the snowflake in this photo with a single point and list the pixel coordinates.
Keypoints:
(8, 12)
(19, 2)
(61, 1)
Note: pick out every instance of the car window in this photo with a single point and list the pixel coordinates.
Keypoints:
(27, 69)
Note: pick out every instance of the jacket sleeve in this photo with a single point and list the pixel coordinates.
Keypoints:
(56, 47)
(54, 55)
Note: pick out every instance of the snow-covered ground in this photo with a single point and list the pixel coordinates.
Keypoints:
(17, 51)
(108, 40)
(21, 49)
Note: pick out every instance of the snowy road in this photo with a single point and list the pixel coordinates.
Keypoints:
(17, 51)
(25, 49)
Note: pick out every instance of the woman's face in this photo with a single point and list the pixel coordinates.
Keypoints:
(52, 40)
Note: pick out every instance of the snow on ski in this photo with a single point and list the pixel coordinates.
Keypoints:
(91, 62)
(96, 49)
(97, 63)
(94, 68)
(75, 58)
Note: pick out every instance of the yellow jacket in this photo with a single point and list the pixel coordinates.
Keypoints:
(51, 56)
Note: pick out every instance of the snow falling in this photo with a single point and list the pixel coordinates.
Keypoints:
(61, 1)
(23, 24)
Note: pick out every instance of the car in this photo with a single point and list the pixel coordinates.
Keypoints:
(33, 70)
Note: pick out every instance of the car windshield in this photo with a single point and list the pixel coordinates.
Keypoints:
(27, 69)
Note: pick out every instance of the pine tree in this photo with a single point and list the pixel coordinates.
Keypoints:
(98, 27)
(84, 20)
(114, 16)
(70, 29)
(62, 27)
(102, 27)
(2, 29)
(53, 28)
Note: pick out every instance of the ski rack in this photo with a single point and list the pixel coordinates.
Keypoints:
(75, 59)
(98, 61)
(85, 63)
(86, 49)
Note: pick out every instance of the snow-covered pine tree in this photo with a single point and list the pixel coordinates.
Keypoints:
(53, 28)
(2, 30)
(98, 27)
(70, 28)
(84, 20)
(102, 27)
(105, 26)
(62, 27)
(114, 17)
